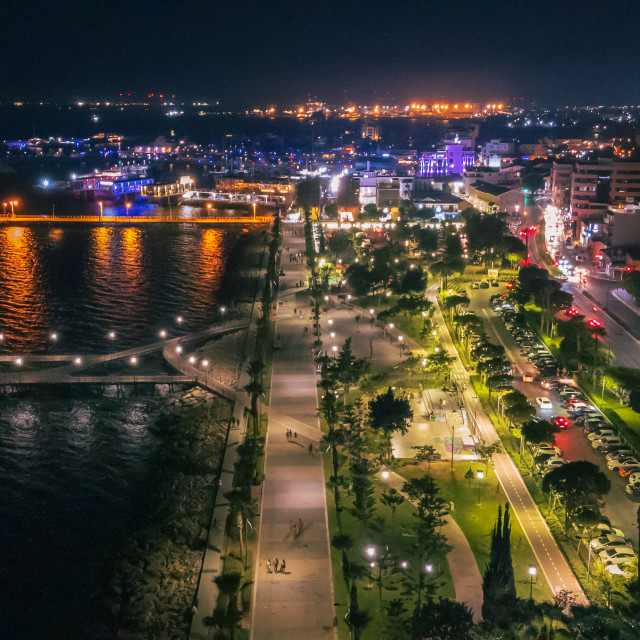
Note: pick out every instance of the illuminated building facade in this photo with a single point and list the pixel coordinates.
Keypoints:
(452, 159)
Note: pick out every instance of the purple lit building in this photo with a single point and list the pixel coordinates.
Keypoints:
(452, 159)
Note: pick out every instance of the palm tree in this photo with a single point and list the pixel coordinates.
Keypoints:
(255, 390)
(241, 506)
(229, 586)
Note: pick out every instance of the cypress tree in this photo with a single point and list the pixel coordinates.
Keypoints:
(498, 585)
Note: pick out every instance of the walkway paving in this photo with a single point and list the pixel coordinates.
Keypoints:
(299, 602)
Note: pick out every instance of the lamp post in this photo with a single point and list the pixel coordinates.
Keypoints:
(480, 476)
(12, 203)
(532, 572)
(401, 345)
(222, 310)
(370, 552)
(101, 209)
(5, 204)
(253, 204)
(128, 207)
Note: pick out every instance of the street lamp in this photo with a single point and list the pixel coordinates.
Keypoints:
(77, 361)
(192, 359)
(333, 335)
(12, 203)
(179, 319)
(53, 337)
(101, 209)
(532, 572)
(162, 333)
(253, 204)
(111, 335)
(385, 475)
(205, 364)
(401, 345)
(480, 476)
(222, 310)
(128, 206)
(133, 360)
(178, 349)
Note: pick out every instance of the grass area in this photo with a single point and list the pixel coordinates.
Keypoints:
(475, 510)
(397, 535)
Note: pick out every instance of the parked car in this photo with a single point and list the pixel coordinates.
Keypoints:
(484, 284)
(608, 540)
(544, 403)
(616, 463)
(606, 527)
(617, 555)
(602, 443)
(495, 283)
(620, 453)
(633, 489)
(627, 468)
(599, 434)
(553, 463)
(561, 421)
(547, 448)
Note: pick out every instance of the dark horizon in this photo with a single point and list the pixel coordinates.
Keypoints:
(255, 53)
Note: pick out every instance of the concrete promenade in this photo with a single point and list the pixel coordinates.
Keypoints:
(299, 602)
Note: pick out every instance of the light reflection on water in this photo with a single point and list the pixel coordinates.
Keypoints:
(83, 281)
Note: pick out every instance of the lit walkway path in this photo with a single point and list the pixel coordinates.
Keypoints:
(299, 603)
(79, 362)
(553, 564)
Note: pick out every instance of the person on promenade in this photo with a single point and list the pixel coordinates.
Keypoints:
(275, 564)
(299, 526)
(283, 566)
(269, 565)
(310, 449)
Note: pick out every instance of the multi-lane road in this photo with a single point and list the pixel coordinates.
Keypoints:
(622, 343)
(573, 443)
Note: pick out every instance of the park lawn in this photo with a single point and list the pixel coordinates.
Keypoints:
(475, 509)
(399, 540)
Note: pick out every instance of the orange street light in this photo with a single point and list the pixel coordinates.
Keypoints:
(253, 204)
(101, 211)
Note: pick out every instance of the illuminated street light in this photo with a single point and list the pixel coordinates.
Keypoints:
(205, 364)
(192, 359)
(77, 361)
(404, 564)
(18, 361)
(53, 336)
(370, 551)
(133, 360)
(429, 568)
(162, 333)
(532, 572)
(385, 475)
(101, 209)
(179, 319)
(111, 335)
(178, 349)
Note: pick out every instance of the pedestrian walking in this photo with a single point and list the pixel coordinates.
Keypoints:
(283, 566)
(299, 526)
(275, 564)
(295, 531)
(295, 435)
(269, 565)
(310, 449)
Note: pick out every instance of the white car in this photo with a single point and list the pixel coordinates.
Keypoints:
(547, 448)
(612, 465)
(617, 555)
(554, 463)
(601, 443)
(607, 528)
(634, 478)
(607, 541)
(621, 453)
(544, 403)
(601, 434)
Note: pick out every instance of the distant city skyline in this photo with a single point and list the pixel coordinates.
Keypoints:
(253, 53)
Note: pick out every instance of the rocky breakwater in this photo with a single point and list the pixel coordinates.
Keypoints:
(152, 581)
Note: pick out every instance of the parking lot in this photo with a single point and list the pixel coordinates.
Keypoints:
(572, 442)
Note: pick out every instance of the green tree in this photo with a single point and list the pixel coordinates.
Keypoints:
(443, 618)
(229, 585)
(486, 451)
(498, 584)
(631, 283)
(392, 499)
(579, 484)
(388, 414)
(439, 362)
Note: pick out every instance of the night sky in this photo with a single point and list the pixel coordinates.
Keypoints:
(245, 52)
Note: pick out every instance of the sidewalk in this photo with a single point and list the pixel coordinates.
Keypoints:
(299, 602)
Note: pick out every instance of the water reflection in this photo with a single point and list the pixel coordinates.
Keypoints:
(24, 305)
(84, 281)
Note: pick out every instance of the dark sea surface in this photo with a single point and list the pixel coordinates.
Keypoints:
(83, 281)
(75, 476)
